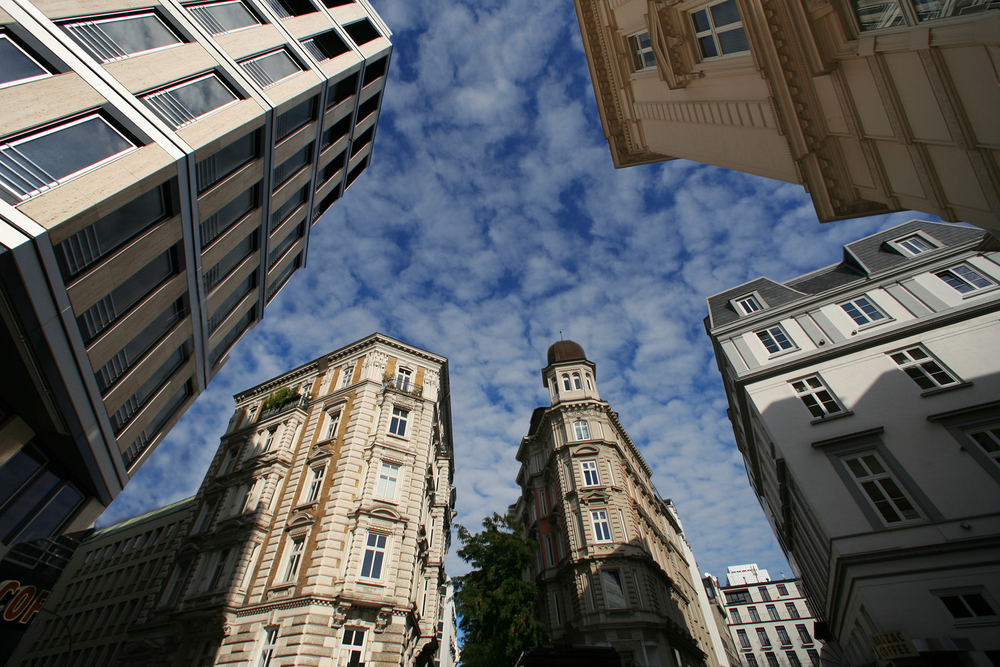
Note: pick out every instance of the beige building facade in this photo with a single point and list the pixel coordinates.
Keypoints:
(612, 562)
(161, 167)
(863, 397)
(872, 105)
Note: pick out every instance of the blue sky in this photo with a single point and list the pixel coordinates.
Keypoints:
(490, 220)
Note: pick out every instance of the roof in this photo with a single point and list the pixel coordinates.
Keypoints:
(565, 350)
(862, 259)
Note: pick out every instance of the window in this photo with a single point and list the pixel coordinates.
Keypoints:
(988, 440)
(277, 252)
(120, 37)
(325, 46)
(751, 659)
(291, 166)
(220, 567)
(238, 254)
(738, 597)
(878, 14)
(128, 410)
(403, 379)
(576, 381)
(762, 637)
(362, 31)
(735, 613)
(236, 210)
(641, 49)
(744, 640)
(754, 616)
(16, 64)
(397, 425)
(371, 566)
(814, 657)
(915, 244)
(332, 424)
(880, 487)
(286, 8)
(387, 478)
(773, 612)
(803, 634)
(590, 475)
(135, 350)
(228, 160)
(264, 440)
(782, 589)
(863, 311)
(354, 643)
(793, 659)
(602, 527)
(719, 30)
(315, 483)
(220, 17)
(772, 661)
(965, 279)
(184, 103)
(765, 594)
(967, 605)
(775, 339)
(614, 593)
(817, 397)
(923, 368)
(345, 375)
(294, 557)
(791, 610)
(374, 70)
(582, 430)
(295, 118)
(269, 68)
(33, 162)
(749, 304)
(780, 629)
(34, 502)
(344, 88)
(267, 648)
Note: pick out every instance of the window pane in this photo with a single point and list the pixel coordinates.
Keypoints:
(27, 501)
(877, 14)
(725, 13)
(708, 47)
(190, 101)
(271, 68)
(701, 23)
(15, 64)
(110, 39)
(224, 16)
(54, 515)
(15, 472)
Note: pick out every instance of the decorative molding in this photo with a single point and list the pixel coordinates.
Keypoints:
(753, 113)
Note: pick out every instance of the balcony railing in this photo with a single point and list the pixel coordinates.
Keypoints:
(404, 385)
(296, 402)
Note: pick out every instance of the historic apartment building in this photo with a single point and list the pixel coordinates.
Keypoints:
(114, 573)
(770, 622)
(161, 166)
(317, 537)
(612, 563)
(871, 105)
(864, 399)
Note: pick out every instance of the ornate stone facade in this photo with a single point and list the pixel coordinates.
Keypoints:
(612, 563)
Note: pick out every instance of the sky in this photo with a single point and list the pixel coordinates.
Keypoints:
(490, 222)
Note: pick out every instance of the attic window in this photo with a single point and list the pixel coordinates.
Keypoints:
(914, 244)
(748, 304)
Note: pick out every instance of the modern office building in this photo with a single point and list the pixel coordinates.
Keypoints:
(769, 621)
(863, 397)
(161, 166)
(115, 574)
(871, 105)
(612, 563)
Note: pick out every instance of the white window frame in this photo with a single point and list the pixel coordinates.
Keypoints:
(267, 646)
(375, 550)
(404, 377)
(30, 136)
(963, 596)
(985, 438)
(567, 386)
(97, 22)
(45, 70)
(333, 416)
(346, 374)
(917, 362)
(388, 481)
(639, 52)
(577, 383)
(774, 333)
(911, 244)
(881, 488)
(590, 473)
(318, 473)
(265, 438)
(966, 280)
(817, 396)
(600, 522)
(399, 421)
(866, 310)
(581, 429)
(296, 547)
(713, 31)
(748, 304)
(352, 647)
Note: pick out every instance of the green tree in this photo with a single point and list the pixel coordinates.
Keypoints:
(497, 609)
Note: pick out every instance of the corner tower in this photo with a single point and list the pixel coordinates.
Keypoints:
(612, 564)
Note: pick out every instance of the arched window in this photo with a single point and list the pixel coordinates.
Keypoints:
(590, 384)
(566, 385)
(576, 381)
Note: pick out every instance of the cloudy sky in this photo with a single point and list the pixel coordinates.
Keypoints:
(490, 220)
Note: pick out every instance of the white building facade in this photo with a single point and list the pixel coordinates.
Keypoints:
(864, 399)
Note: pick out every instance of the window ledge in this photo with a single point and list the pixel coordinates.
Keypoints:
(830, 418)
(941, 390)
(982, 290)
(371, 582)
(858, 328)
(782, 353)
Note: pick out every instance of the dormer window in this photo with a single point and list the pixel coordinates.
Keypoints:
(748, 304)
(915, 244)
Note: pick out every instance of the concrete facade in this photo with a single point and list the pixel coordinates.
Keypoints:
(863, 397)
(612, 563)
(873, 105)
(163, 165)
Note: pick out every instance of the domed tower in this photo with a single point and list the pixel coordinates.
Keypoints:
(612, 563)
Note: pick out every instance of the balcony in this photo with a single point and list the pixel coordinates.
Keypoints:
(403, 385)
(279, 402)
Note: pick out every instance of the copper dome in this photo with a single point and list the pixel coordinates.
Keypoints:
(565, 350)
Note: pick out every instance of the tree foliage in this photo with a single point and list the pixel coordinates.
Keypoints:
(497, 609)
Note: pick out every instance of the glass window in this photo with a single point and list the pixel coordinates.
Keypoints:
(276, 253)
(735, 613)
(371, 566)
(231, 336)
(315, 482)
(719, 30)
(880, 487)
(782, 589)
(270, 68)
(236, 210)
(749, 304)
(294, 557)
(590, 476)
(744, 640)
(614, 592)
(116, 368)
(791, 610)
(403, 379)
(879, 14)
(387, 478)
(285, 211)
(923, 368)
(397, 425)
(325, 46)
(803, 633)
(184, 103)
(148, 434)
(751, 659)
(754, 616)
(16, 64)
(780, 629)
(220, 17)
(775, 339)
(122, 36)
(989, 440)
(297, 117)
(332, 424)
(362, 31)
(817, 397)
(267, 648)
(863, 311)
(772, 660)
(220, 567)
(124, 415)
(354, 640)
(602, 527)
(375, 70)
(814, 657)
(641, 49)
(762, 637)
(292, 165)
(964, 279)
(232, 259)
(582, 430)
(967, 605)
(738, 597)
(32, 163)
(228, 160)
(915, 244)
(772, 612)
